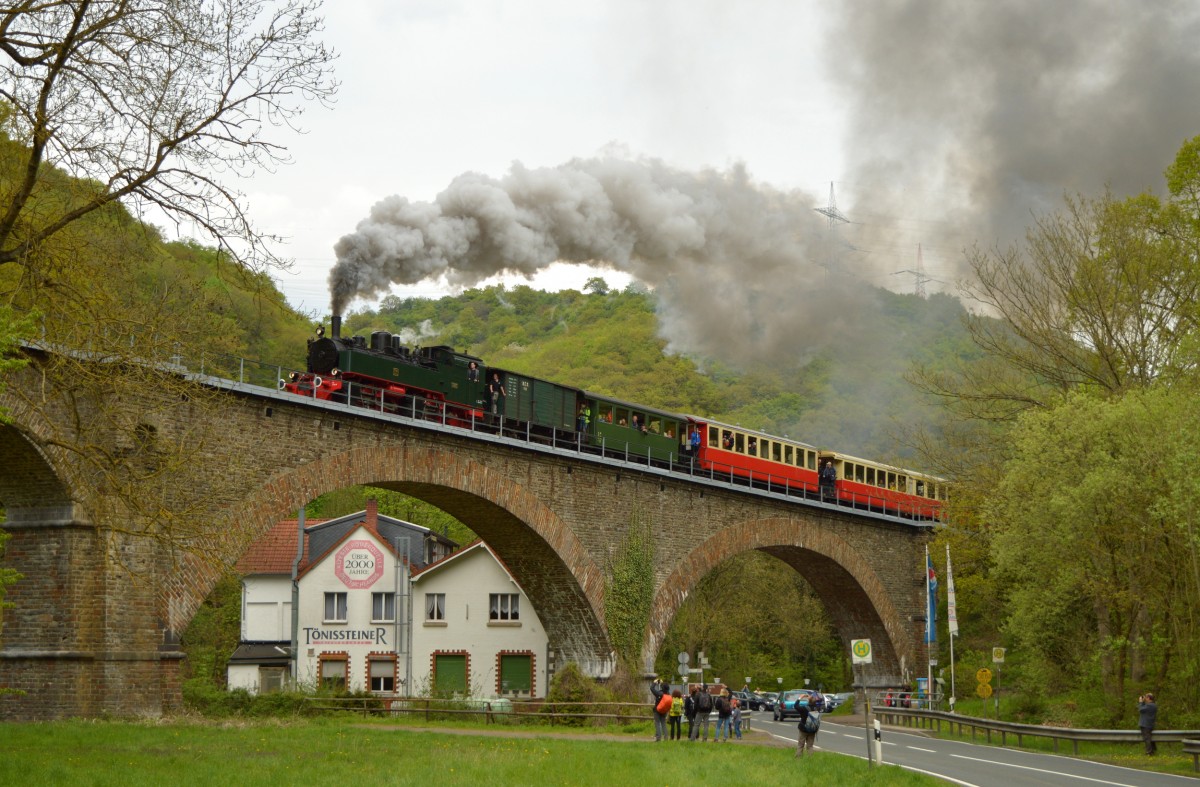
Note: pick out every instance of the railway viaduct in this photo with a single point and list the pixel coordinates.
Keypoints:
(107, 590)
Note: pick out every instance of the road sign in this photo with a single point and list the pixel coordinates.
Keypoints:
(984, 675)
(997, 655)
(984, 690)
(684, 658)
(683, 670)
(860, 651)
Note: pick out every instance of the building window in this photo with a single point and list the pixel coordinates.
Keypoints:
(504, 606)
(383, 675)
(435, 606)
(335, 607)
(333, 672)
(383, 607)
(271, 679)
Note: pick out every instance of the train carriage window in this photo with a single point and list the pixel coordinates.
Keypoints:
(739, 442)
(812, 460)
(902, 483)
(920, 488)
(871, 476)
(848, 471)
(777, 452)
(605, 412)
(714, 437)
(656, 426)
(787, 454)
(623, 416)
(860, 474)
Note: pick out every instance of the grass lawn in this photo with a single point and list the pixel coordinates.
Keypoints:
(345, 750)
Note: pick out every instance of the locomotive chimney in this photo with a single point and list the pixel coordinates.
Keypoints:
(336, 327)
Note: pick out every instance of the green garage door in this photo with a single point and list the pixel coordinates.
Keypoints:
(450, 674)
(516, 674)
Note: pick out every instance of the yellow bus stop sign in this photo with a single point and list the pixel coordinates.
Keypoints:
(984, 675)
(984, 690)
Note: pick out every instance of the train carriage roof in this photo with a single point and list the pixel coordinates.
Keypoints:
(763, 435)
(837, 455)
(633, 405)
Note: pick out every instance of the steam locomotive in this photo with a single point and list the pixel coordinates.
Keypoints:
(438, 383)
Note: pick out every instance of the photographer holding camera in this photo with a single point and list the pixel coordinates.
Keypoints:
(1147, 715)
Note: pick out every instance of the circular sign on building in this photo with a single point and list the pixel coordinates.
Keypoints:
(359, 564)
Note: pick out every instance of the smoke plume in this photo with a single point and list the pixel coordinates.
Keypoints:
(967, 120)
(735, 265)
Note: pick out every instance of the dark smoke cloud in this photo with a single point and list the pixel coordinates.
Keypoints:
(735, 265)
(966, 120)
(975, 117)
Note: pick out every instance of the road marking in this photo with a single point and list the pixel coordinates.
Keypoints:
(1043, 770)
(918, 748)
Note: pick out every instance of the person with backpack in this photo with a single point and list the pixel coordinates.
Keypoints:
(704, 706)
(675, 720)
(724, 712)
(689, 712)
(659, 690)
(810, 723)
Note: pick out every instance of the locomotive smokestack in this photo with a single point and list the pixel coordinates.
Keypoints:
(336, 327)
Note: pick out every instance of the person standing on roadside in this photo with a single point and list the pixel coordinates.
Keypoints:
(1147, 717)
(810, 723)
(675, 720)
(689, 712)
(736, 717)
(658, 689)
(724, 717)
(704, 705)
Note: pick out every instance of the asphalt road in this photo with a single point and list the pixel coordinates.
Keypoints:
(970, 764)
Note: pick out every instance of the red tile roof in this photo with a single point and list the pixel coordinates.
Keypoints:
(275, 551)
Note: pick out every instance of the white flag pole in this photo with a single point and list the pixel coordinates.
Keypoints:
(952, 620)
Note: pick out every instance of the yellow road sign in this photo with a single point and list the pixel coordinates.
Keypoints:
(984, 690)
(984, 675)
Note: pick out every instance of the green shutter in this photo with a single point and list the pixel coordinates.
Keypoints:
(450, 674)
(516, 674)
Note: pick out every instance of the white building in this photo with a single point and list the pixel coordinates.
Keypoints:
(363, 620)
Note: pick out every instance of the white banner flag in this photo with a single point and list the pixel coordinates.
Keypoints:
(951, 613)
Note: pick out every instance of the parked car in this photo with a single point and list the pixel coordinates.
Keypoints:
(767, 700)
(789, 702)
(831, 701)
(746, 699)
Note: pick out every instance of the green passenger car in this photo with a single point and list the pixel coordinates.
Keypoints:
(643, 431)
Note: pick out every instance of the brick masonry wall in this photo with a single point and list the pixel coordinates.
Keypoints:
(556, 520)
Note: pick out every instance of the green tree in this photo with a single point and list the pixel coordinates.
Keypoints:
(1094, 545)
(147, 100)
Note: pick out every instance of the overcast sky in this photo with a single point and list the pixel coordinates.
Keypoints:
(939, 122)
(431, 90)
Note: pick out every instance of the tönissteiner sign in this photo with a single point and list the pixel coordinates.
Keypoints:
(375, 636)
(359, 564)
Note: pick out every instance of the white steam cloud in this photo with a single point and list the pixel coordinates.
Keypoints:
(733, 263)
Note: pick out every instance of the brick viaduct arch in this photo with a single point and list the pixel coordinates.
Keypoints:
(84, 640)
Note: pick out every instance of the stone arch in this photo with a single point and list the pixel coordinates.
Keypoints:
(850, 588)
(34, 486)
(543, 553)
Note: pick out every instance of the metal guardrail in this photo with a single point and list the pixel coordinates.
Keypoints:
(932, 719)
(1192, 747)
